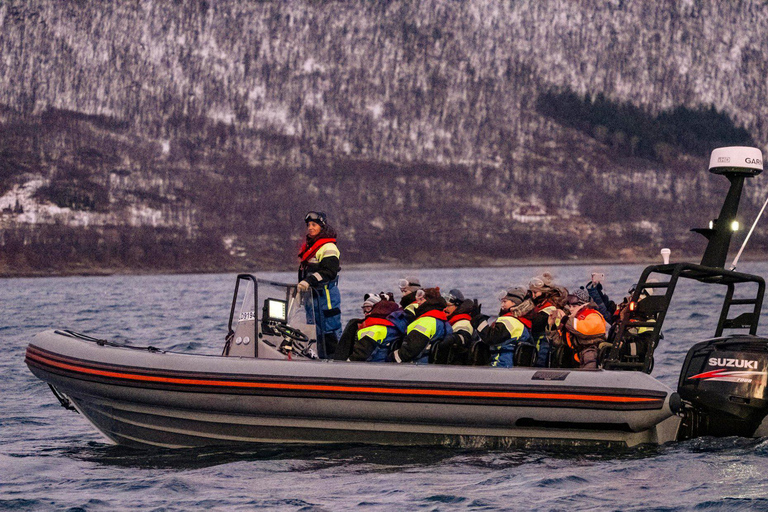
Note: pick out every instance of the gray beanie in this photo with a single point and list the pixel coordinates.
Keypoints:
(582, 295)
(515, 294)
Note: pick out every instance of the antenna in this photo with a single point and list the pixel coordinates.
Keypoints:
(736, 259)
(735, 163)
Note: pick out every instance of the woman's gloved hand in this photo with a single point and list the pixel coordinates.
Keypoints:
(302, 286)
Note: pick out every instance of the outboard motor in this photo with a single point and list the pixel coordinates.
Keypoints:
(723, 387)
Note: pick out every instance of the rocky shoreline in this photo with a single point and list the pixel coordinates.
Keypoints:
(373, 266)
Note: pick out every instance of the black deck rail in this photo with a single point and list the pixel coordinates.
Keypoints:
(651, 308)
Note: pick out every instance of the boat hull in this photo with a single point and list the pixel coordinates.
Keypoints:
(164, 399)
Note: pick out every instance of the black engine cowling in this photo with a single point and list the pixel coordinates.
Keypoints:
(723, 386)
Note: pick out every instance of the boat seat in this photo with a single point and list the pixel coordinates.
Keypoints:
(633, 353)
(347, 341)
(441, 351)
(525, 354)
(562, 357)
(479, 354)
(651, 305)
(449, 350)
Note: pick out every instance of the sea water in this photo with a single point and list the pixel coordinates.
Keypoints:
(52, 459)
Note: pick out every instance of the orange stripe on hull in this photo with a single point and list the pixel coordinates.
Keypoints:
(345, 389)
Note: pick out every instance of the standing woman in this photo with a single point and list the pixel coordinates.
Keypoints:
(319, 271)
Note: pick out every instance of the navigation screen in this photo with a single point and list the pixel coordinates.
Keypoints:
(276, 310)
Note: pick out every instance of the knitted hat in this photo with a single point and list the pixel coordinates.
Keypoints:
(583, 295)
(432, 294)
(516, 294)
(370, 299)
(384, 308)
(580, 296)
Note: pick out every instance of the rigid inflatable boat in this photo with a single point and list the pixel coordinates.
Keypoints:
(268, 387)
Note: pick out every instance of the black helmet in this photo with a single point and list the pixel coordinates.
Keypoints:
(316, 217)
(454, 297)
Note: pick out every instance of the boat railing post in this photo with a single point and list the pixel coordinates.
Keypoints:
(725, 310)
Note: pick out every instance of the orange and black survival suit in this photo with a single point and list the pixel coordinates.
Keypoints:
(584, 330)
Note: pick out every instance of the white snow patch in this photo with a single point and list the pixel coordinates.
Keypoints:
(21, 194)
(378, 223)
(258, 92)
(142, 215)
(274, 116)
(376, 109)
(35, 212)
(225, 115)
(646, 225)
(311, 66)
(232, 245)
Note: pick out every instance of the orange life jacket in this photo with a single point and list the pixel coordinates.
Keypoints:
(307, 252)
(586, 328)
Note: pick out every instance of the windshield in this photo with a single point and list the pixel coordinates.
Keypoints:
(265, 316)
(298, 310)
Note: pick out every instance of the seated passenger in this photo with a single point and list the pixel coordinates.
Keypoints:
(430, 326)
(454, 349)
(349, 335)
(584, 329)
(377, 332)
(409, 287)
(637, 340)
(459, 311)
(544, 294)
(503, 335)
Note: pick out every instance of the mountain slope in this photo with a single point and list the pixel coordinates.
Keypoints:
(211, 127)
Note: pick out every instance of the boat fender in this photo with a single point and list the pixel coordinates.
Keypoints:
(675, 403)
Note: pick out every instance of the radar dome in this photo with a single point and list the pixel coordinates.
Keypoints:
(736, 160)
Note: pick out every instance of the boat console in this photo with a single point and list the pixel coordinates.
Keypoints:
(283, 328)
